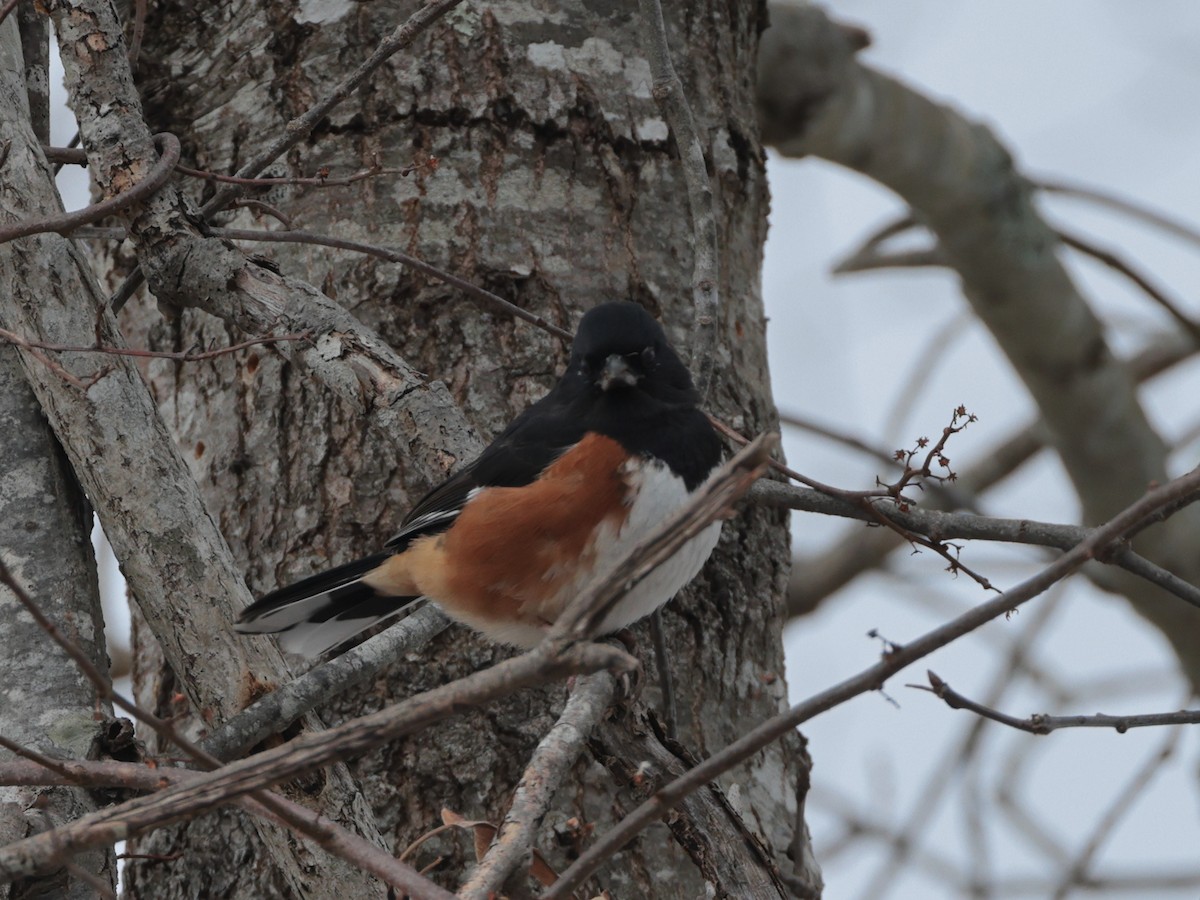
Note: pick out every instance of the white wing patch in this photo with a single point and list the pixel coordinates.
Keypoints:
(434, 517)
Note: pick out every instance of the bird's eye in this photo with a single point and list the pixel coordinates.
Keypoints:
(648, 357)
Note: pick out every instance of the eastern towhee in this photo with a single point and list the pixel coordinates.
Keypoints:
(560, 496)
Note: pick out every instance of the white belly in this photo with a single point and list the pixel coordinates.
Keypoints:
(658, 494)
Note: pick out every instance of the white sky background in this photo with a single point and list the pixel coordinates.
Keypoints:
(1096, 91)
(1102, 93)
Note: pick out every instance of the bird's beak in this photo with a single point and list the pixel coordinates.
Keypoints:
(616, 373)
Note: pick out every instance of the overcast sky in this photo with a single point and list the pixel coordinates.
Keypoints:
(1102, 93)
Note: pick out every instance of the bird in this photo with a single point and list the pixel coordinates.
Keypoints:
(557, 499)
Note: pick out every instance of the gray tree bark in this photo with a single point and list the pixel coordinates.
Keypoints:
(46, 704)
(558, 188)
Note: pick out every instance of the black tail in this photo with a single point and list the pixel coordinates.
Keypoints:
(320, 612)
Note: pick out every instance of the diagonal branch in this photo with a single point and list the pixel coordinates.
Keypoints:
(277, 710)
(897, 658)
(544, 775)
(712, 501)
(304, 754)
(140, 777)
(328, 834)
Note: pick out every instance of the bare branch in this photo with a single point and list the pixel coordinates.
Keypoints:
(276, 711)
(860, 552)
(1040, 723)
(1114, 262)
(397, 256)
(141, 777)
(729, 855)
(942, 526)
(181, 356)
(869, 679)
(544, 775)
(64, 223)
(1120, 204)
(304, 754)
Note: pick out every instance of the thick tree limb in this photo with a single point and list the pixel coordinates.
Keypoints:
(45, 705)
(169, 546)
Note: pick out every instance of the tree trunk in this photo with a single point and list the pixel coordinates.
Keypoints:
(46, 703)
(555, 186)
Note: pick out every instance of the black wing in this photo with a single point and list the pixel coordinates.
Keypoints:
(516, 458)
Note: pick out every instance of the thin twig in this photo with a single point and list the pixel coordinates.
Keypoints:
(1120, 204)
(658, 635)
(1040, 723)
(320, 180)
(1114, 262)
(949, 492)
(869, 679)
(396, 256)
(139, 31)
(870, 255)
(272, 211)
(168, 147)
(180, 356)
(706, 297)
